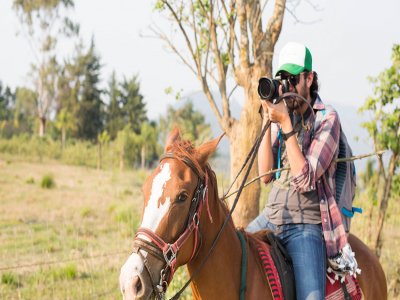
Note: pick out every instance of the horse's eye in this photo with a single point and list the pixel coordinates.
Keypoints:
(182, 197)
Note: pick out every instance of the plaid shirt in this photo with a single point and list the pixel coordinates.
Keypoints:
(320, 149)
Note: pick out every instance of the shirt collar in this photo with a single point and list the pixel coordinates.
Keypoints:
(318, 104)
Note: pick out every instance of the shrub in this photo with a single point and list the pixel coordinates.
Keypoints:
(10, 278)
(30, 180)
(68, 272)
(48, 182)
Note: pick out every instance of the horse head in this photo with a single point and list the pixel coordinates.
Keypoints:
(174, 197)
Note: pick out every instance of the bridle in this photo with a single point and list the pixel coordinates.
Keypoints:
(167, 252)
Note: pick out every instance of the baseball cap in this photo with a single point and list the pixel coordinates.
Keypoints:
(294, 58)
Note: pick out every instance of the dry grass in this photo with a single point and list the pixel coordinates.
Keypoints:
(88, 213)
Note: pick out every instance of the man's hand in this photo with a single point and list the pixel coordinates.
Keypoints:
(277, 113)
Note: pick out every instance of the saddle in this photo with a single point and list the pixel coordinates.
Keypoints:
(279, 273)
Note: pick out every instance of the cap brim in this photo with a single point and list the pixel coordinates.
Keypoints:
(291, 68)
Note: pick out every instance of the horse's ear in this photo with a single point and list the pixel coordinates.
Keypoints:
(207, 149)
(174, 135)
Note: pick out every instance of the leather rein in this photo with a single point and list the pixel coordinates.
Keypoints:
(167, 252)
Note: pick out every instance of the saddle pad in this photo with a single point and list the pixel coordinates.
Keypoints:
(270, 271)
(335, 292)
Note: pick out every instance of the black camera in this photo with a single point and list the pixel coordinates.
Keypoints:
(268, 89)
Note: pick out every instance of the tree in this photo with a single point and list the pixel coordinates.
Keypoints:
(114, 115)
(384, 128)
(90, 114)
(225, 40)
(191, 122)
(7, 105)
(147, 140)
(7, 99)
(102, 139)
(24, 112)
(44, 23)
(64, 122)
(133, 106)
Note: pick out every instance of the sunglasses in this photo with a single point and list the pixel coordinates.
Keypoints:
(292, 79)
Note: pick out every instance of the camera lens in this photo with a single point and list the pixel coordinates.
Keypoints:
(268, 88)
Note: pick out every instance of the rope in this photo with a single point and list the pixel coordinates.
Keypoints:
(379, 153)
(59, 261)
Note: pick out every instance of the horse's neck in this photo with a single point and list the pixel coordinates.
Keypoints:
(221, 273)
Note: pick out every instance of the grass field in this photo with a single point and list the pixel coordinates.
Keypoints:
(69, 240)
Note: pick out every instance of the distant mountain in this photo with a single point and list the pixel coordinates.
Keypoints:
(350, 119)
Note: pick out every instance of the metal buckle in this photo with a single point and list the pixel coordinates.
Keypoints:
(204, 192)
(196, 219)
(169, 255)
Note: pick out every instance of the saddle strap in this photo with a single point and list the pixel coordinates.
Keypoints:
(243, 272)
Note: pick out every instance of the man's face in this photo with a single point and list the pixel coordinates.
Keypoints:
(297, 84)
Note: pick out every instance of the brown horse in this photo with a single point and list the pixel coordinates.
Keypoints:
(181, 218)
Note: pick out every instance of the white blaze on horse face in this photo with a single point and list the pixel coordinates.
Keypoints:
(155, 211)
(133, 267)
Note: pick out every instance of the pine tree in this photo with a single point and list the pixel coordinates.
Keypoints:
(134, 108)
(90, 113)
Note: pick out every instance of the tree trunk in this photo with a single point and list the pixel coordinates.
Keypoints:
(143, 157)
(242, 136)
(121, 161)
(384, 204)
(63, 137)
(42, 126)
(100, 158)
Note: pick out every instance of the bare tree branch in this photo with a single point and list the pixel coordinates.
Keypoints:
(161, 35)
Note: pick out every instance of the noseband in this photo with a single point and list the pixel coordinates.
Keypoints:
(167, 252)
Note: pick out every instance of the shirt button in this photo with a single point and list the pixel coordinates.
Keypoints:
(325, 220)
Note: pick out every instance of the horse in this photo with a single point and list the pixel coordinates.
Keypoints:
(183, 214)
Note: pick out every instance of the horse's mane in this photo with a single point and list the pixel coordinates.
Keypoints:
(185, 149)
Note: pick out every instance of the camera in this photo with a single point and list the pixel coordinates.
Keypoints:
(268, 89)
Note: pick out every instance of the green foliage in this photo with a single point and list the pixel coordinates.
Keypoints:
(191, 122)
(385, 106)
(180, 278)
(7, 99)
(86, 212)
(114, 116)
(64, 123)
(103, 137)
(68, 272)
(48, 182)
(10, 278)
(30, 180)
(90, 113)
(133, 106)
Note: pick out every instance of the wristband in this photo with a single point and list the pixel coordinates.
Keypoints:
(286, 136)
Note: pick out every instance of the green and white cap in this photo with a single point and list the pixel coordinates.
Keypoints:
(294, 58)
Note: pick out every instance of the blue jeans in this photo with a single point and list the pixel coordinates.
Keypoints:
(305, 245)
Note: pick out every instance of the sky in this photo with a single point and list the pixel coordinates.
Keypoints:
(349, 41)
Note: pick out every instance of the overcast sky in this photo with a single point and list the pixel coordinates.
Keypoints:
(351, 40)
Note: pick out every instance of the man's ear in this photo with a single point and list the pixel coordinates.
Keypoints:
(174, 135)
(309, 79)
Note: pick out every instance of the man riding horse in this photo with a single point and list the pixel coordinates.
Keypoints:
(300, 196)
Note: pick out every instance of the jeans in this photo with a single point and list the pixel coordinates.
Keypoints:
(306, 246)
